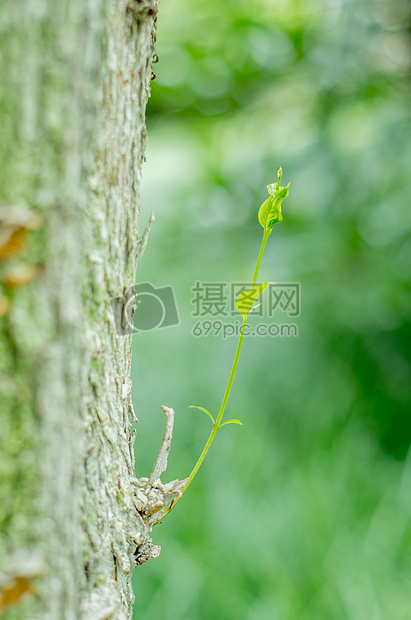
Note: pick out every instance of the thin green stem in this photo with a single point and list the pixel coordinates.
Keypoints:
(260, 256)
(240, 341)
(217, 423)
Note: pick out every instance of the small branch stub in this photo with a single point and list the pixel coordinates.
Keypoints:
(142, 243)
(152, 497)
(160, 465)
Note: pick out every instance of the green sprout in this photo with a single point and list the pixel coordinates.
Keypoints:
(268, 215)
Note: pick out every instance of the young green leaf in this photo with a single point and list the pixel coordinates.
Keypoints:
(231, 422)
(204, 410)
(270, 211)
(246, 300)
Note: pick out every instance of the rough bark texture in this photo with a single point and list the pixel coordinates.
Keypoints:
(109, 473)
(74, 83)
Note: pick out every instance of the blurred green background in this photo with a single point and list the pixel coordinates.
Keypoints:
(304, 512)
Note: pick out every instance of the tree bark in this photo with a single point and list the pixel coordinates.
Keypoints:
(75, 79)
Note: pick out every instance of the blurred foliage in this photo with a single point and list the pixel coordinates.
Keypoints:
(304, 512)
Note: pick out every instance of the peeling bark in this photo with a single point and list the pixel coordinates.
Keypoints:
(74, 83)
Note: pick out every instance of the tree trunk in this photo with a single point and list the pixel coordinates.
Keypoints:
(74, 82)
